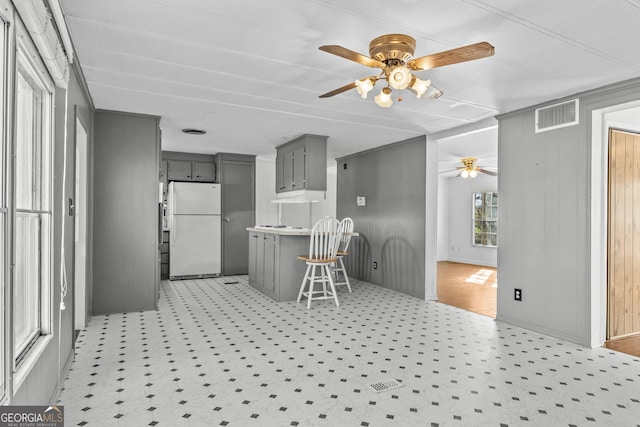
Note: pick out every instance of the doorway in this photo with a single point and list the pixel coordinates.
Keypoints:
(236, 175)
(80, 225)
(623, 237)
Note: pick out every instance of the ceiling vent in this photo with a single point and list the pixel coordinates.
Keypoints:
(557, 116)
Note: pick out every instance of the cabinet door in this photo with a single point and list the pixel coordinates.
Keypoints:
(204, 171)
(253, 256)
(280, 172)
(287, 171)
(298, 165)
(179, 170)
(260, 260)
(269, 262)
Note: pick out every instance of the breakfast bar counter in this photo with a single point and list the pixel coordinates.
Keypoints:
(274, 269)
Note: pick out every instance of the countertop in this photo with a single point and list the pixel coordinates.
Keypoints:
(287, 231)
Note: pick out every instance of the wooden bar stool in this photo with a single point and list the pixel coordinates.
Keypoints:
(346, 228)
(323, 247)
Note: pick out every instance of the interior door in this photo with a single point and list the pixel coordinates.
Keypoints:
(81, 305)
(623, 263)
(237, 190)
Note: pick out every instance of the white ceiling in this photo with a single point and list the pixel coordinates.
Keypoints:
(249, 72)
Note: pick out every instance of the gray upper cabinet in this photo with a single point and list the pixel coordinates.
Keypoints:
(185, 170)
(178, 170)
(301, 164)
(203, 171)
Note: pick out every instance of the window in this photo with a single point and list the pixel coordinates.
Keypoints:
(4, 209)
(33, 179)
(485, 219)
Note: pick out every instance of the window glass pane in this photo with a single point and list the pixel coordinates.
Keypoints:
(3, 219)
(28, 148)
(485, 219)
(27, 279)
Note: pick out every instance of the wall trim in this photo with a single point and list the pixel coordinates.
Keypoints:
(552, 333)
(603, 90)
(55, 396)
(385, 147)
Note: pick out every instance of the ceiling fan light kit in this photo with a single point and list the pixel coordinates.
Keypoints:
(393, 53)
(383, 99)
(364, 86)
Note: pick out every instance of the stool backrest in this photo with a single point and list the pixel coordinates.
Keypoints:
(325, 239)
(346, 228)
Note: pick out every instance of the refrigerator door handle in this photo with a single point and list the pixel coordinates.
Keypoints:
(174, 232)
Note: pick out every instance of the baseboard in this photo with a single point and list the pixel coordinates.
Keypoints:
(540, 329)
(55, 397)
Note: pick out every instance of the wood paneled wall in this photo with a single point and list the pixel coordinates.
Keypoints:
(392, 224)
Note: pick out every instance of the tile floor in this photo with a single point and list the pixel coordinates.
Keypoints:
(224, 354)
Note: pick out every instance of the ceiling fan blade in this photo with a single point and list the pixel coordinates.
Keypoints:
(488, 172)
(450, 170)
(339, 90)
(352, 56)
(453, 56)
(345, 88)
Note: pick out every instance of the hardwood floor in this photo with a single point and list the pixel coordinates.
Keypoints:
(474, 288)
(629, 345)
(470, 287)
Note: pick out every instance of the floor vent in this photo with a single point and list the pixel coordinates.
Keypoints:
(557, 116)
(385, 385)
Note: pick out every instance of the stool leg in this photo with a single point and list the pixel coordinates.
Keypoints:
(324, 281)
(344, 273)
(312, 280)
(304, 281)
(333, 288)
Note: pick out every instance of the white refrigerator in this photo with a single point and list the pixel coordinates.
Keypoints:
(194, 230)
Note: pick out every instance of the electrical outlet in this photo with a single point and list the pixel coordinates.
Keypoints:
(375, 265)
(517, 294)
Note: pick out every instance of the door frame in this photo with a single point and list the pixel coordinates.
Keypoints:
(601, 120)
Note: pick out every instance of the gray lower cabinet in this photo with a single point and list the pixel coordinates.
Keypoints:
(274, 269)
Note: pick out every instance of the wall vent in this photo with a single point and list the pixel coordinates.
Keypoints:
(557, 116)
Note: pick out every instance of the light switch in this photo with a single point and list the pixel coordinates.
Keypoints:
(361, 201)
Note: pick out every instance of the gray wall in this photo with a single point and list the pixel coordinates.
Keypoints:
(43, 383)
(545, 219)
(125, 227)
(392, 224)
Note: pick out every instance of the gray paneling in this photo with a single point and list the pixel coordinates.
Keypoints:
(392, 224)
(545, 223)
(127, 154)
(539, 250)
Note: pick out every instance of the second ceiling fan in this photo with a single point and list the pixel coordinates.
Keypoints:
(393, 53)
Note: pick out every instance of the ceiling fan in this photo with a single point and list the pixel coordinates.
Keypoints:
(393, 53)
(469, 169)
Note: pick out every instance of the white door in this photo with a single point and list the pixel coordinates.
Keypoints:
(80, 249)
(195, 245)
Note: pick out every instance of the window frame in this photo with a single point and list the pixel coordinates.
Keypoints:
(26, 57)
(479, 216)
(6, 324)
